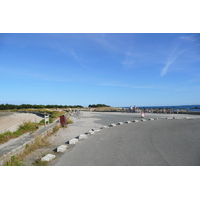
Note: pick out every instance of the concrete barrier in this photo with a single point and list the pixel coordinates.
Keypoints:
(143, 120)
(169, 117)
(62, 148)
(73, 141)
(112, 125)
(128, 122)
(120, 123)
(151, 119)
(48, 157)
(90, 132)
(95, 129)
(135, 120)
(82, 136)
(104, 127)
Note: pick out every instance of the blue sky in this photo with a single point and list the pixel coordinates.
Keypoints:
(116, 69)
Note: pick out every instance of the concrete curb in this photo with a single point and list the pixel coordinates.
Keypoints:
(169, 118)
(90, 132)
(82, 136)
(104, 127)
(48, 157)
(62, 148)
(112, 125)
(73, 141)
(95, 129)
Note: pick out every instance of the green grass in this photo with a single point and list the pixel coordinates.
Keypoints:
(24, 128)
(39, 142)
(14, 161)
(40, 163)
(69, 121)
(29, 126)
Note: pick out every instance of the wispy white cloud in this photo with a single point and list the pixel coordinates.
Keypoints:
(190, 38)
(171, 59)
(106, 42)
(186, 44)
(67, 51)
(75, 56)
(169, 62)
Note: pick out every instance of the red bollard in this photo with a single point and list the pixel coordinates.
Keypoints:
(63, 120)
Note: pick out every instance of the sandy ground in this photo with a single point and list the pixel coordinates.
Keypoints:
(8, 120)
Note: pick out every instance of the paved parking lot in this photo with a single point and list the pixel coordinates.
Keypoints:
(160, 142)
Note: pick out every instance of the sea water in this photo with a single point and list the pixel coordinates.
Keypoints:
(192, 108)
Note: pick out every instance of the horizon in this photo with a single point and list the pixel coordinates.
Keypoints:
(109, 68)
(112, 106)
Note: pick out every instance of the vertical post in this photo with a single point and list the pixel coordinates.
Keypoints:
(46, 119)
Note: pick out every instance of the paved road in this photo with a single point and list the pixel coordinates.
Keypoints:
(161, 142)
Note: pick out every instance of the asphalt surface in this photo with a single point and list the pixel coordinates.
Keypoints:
(162, 142)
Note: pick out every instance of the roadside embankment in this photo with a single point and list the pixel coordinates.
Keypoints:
(17, 145)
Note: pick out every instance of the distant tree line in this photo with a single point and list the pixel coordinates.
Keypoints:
(23, 106)
(97, 105)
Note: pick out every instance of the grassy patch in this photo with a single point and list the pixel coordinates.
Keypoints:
(56, 114)
(28, 127)
(40, 163)
(107, 109)
(24, 128)
(14, 161)
(40, 142)
(55, 129)
(69, 121)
